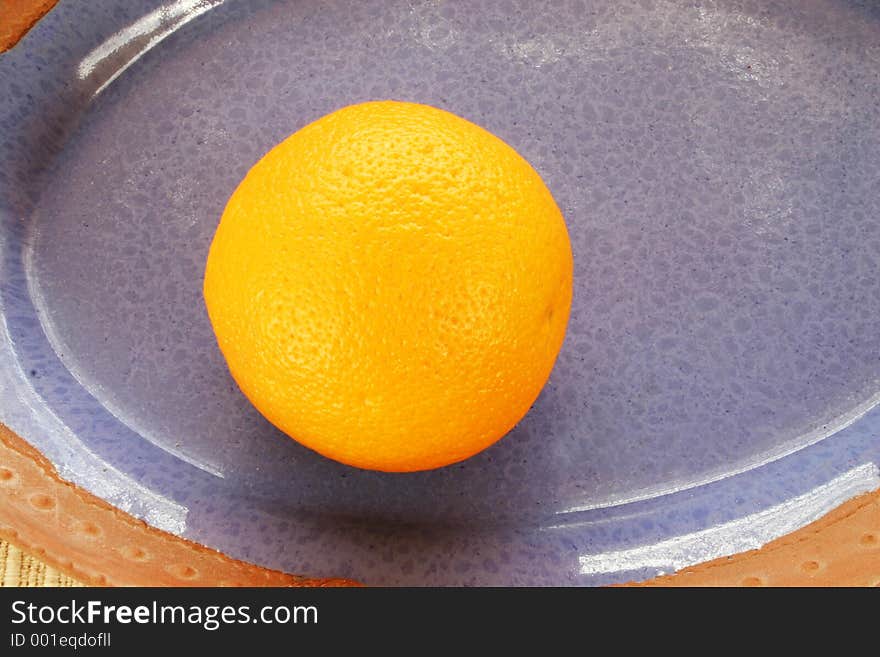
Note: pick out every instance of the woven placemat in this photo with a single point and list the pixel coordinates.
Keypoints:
(20, 569)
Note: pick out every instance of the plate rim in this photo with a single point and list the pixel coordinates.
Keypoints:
(48, 517)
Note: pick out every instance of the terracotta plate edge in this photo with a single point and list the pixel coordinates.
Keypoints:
(98, 544)
(19, 16)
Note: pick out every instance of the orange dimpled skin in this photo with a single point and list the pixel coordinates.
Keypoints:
(390, 286)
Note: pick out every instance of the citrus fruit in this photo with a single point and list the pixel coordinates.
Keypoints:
(390, 286)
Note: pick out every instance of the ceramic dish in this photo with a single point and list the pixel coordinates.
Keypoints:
(717, 165)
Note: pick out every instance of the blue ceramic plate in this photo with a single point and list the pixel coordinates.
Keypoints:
(717, 164)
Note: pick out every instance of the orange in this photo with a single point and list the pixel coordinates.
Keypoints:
(390, 286)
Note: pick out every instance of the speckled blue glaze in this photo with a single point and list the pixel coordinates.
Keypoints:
(717, 164)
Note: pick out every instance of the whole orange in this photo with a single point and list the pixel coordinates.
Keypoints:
(390, 286)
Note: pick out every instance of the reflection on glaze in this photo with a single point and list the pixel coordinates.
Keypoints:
(131, 43)
(748, 533)
(780, 451)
